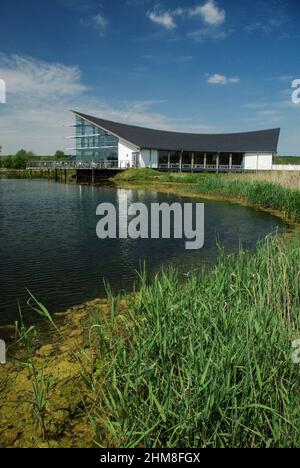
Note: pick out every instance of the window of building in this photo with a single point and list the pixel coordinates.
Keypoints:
(94, 144)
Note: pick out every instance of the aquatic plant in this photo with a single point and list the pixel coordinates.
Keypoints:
(27, 337)
(262, 193)
(206, 363)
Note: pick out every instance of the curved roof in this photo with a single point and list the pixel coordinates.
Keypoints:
(259, 141)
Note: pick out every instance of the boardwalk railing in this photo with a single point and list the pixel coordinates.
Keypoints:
(52, 165)
(122, 165)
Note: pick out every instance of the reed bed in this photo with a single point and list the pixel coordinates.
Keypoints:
(290, 180)
(251, 188)
(258, 193)
(207, 363)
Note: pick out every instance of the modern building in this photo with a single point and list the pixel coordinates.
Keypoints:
(102, 143)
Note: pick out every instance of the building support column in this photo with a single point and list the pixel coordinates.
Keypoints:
(193, 162)
(230, 162)
(169, 160)
(205, 161)
(180, 161)
(218, 162)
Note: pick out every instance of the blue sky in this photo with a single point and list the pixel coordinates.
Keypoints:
(200, 66)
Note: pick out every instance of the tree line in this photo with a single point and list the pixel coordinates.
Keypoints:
(21, 158)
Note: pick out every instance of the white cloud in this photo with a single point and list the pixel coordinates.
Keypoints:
(141, 106)
(209, 33)
(210, 13)
(100, 22)
(222, 79)
(267, 25)
(24, 75)
(37, 92)
(40, 95)
(163, 18)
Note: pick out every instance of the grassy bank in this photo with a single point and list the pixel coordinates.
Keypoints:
(207, 363)
(260, 193)
(36, 174)
(22, 174)
(287, 160)
(204, 363)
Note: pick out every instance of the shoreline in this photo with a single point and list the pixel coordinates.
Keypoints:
(34, 175)
(68, 419)
(177, 189)
(56, 354)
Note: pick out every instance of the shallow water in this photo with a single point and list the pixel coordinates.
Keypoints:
(49, 244)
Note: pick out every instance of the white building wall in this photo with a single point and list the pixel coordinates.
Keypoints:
(126, 150)
(149, 158)
(145, 157)
(258, 161)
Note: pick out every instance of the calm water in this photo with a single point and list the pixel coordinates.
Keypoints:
(49, 243)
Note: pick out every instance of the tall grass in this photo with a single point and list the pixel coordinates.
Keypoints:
(263, 193)
(290, 180)
(207, 363)
(27, 336)
(39, 381)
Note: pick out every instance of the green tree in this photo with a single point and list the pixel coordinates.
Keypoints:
(19, 160)
(8, 162)
(59, 155)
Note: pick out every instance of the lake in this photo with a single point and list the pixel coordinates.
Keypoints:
(49, 243)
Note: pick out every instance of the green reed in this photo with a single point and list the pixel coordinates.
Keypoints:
(260, 193)
(207, 363)
(40, 384)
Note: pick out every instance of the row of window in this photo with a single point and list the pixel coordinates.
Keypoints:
(211, 158)
(97, 156)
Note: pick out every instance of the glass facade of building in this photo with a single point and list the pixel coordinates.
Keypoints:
(94, 144)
